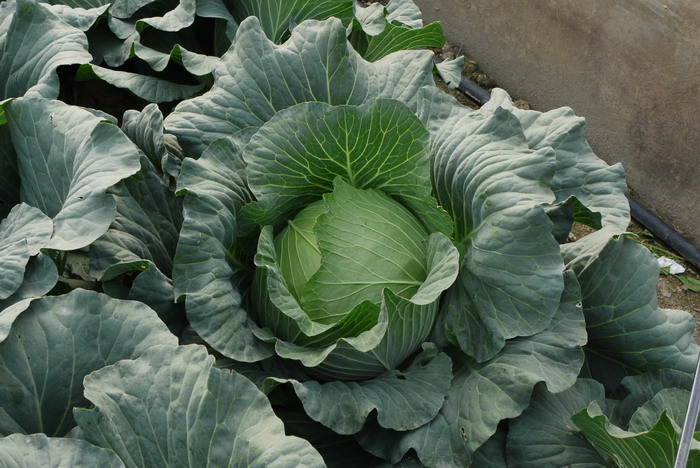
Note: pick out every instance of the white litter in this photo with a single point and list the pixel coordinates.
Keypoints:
(675, 267)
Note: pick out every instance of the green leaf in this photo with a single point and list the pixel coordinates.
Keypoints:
(78, 17)
(484, 394)
(294, 158)
(67, 159)
(277, 17)
(673, 401)
(195, 63)
(53, 345)
(146, 87)
(171, 407)
(206, 267)
(636, 390)
(40, 277)
(145, 230)
(145, 129)
(654, 448)
(395, 38)
(492, 454)
(25, 230)
(404, 12)
(156, 290)
(316, 64)
(173, 20)
(627, 333)
(450, 71)
(560, 129)
(690, 283)
(403, 400)
(494, 187)
(19, 450)
(35, 43)
(544, 434)
(370, 19)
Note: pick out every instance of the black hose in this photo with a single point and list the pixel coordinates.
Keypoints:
(475, 92)
(641, 213)
(664, 232)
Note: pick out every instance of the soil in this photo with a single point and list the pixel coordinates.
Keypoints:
(671, 292)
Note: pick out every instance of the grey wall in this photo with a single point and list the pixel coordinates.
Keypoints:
(631, 67)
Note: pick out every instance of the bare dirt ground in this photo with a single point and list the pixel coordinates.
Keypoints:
(671, 291)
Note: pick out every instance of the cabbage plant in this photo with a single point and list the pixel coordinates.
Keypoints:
(322, 260)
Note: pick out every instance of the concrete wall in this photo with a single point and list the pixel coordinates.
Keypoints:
(631, 67)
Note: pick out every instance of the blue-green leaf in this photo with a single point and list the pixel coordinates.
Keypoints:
(53, 345)
(67, 159)
(18, 450)
(171, 407)
(315, 64)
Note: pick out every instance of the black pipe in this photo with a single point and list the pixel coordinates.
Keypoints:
(664, 232)
(641, 213)
(475, 92)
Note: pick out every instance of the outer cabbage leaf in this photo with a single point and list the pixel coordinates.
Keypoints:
(25, 230)
(67, 159)
(195, 63)
(78, 17)
(295, 157)
(277, 17)
(674, 401)
(544, 434)
(149, 88)
(40, 277)
(207, 262)
(32, 45)
(171, 406)
(580, 173)
(370, 19)
(155, 289)
(627, 332)
(381, 30)
(636, 390)
(256, 79)
(52, 346)
(159, 32)
(145, 129)
(492, 454)
(404, 12)
(484, 394)
(494, 187)
(450, 71)
(28, 451)
(656, 447)
(403, 400)
(145, 230)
